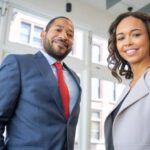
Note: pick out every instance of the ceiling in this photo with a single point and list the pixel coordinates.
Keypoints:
(115, 7)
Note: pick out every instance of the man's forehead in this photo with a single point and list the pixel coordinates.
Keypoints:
(63, 23)
(63, 20)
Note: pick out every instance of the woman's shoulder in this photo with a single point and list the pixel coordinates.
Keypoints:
(147, 77)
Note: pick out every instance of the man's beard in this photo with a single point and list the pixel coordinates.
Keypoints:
(56, 55)
(49, 49)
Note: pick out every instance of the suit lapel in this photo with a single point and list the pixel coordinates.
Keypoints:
(49, 76)
(77, 83)
(139, 91)
(108, 125)
(124, 93)
(73, 75)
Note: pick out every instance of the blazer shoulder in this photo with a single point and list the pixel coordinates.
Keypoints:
(147, 78)
(11, 57)
(16, 60)
(8, 60)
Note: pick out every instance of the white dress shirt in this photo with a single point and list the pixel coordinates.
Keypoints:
(72, 86)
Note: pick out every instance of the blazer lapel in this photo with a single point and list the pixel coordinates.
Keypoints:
(109, 121)
(139, 91)
(74, 76)
(124, 93)
(78, 85)
(49, 76)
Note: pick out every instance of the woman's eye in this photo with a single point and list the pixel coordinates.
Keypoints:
(136, 34)
(120, 38)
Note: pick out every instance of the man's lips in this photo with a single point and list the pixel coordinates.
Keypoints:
(61, 44)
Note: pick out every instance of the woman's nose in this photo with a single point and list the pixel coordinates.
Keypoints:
(128, 41)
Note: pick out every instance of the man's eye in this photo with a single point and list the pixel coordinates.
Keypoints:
(58, 30)
(70, 35)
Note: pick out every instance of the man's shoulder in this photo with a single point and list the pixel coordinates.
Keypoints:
(20, 56)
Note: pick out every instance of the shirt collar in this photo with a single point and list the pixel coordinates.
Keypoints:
(49, 58)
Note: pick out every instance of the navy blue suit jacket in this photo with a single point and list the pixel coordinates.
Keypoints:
(31, 107)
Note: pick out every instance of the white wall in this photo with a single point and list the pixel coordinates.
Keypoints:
(82, 14)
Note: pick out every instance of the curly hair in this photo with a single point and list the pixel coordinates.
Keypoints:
(119, 66)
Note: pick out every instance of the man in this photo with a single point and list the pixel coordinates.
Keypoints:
(31, 101)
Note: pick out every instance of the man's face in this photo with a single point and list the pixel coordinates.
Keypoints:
(58, 41)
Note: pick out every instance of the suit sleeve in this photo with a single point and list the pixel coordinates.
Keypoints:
(9, 92)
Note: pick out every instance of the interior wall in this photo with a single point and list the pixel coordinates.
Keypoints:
(82, 15)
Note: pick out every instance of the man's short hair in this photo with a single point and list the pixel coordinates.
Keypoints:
(52, 21)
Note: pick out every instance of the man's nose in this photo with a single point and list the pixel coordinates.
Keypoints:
(63, 35)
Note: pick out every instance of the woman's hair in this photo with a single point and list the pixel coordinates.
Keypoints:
(118, 66)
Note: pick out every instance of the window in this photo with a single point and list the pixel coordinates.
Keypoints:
(95, 126)
(96, 51)
(30, 34)
(95, 87)
(108, 90)
(99, 50)
(112, 90)
(26, 29)
(77, 50)
(105, 90)
(119, 90)
(36, 40)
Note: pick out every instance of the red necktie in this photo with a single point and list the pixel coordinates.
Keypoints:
(63, 88)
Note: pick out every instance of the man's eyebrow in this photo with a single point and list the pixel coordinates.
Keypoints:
(61, 26)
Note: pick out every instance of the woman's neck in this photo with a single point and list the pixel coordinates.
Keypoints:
(137, 73)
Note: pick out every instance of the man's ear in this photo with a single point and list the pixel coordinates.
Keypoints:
(43, 34)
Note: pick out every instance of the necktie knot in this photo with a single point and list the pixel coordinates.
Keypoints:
(58, 65)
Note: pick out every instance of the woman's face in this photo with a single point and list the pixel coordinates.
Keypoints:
(132, 41)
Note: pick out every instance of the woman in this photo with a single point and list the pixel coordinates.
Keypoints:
(127, 125)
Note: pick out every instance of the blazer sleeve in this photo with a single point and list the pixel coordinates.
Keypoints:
(9, 92)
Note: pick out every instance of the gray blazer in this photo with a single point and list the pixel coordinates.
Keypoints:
(31, 107)
(130, 128)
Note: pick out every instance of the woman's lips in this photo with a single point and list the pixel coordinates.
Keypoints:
(131, 51)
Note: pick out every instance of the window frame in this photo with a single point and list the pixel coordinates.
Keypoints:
(99, 121)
